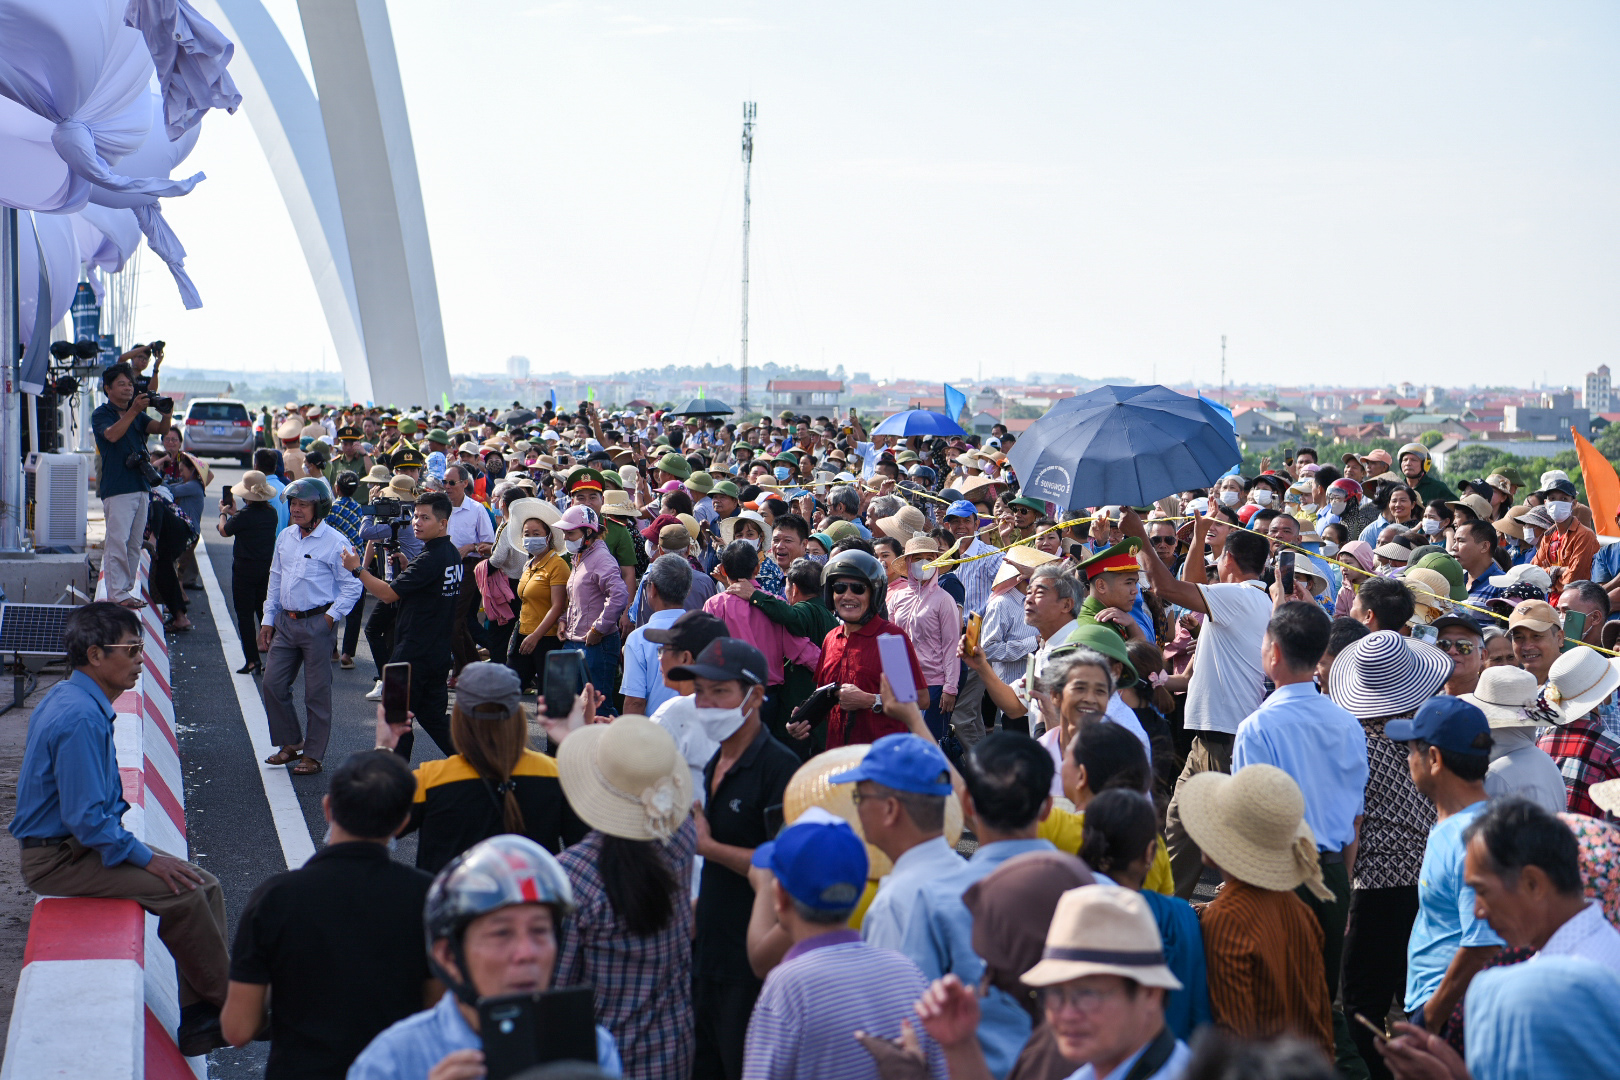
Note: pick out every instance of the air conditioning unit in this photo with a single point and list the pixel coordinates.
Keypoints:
(61, 484)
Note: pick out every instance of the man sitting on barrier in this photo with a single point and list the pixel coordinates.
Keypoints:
(70, 805)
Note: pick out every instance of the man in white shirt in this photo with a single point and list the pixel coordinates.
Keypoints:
(1524, 867)
(474, 537)
(310, 592)
(679, 644)
(900, 790)
(1227, 682)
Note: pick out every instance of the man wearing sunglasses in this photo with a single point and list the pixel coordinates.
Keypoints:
(855, 585)
(70, 806)
(1461, 639)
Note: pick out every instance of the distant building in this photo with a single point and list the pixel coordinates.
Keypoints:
(812, 394)
(1552, 421)
(517, 367)
(1598, 398)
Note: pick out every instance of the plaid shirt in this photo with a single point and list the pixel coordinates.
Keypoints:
(1586, 755)
(643, 984)
(345, 518)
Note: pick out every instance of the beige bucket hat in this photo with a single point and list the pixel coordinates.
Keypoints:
(1019, 557)
(1102, 930)
(1252, 823)
(905, 523)
(626, 778)
(1580, 681)
(1503, 695)
(254, 487)
(618, 504)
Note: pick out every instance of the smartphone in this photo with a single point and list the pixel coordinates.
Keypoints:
(1425, 633)
(520, 1031)
(975, 625)
(1285, 571)
(897, 666)
(565, 680)
(774, 820)
(227, 498)
(396, 693)
(1574, 628)
(1382, 1032)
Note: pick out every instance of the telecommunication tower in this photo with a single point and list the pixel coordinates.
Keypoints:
(748, 172)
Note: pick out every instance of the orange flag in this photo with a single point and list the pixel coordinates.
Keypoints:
(1602, 486)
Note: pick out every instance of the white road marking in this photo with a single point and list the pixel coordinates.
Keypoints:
(296, 843)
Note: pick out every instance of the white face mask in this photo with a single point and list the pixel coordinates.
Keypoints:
(750, 541)
(921, 571)
(1329, 548)
(1529, 535)
(573, 546)
(1432, 526)
(534, 545)
(1560, 511)
(1262, 497)
(1230, 497)
(721, 724)
(1307, 508)
(1336, 506)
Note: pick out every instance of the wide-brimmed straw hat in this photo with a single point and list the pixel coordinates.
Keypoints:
(401, 487)
(379, 474)
(923, 544)
(1580, 681)
(626, 778)
(1102, 930)
(617, 503)
(521, 510)
(728, 526)
(1503, 694)
(904, 523)
(1385, 674)
(254, 487)
(1019, 557)
(1430, 592)
(1252, 824)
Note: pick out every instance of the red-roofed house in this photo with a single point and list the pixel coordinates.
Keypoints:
(804, 393)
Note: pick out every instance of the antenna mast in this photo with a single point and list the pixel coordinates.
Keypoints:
(1223, 369)
(748, 172)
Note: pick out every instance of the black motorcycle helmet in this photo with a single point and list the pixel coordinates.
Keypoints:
(862, 567)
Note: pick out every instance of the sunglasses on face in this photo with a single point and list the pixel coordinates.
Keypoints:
(839, 588)
(1461, 648)
(1165, 541)
(136, 648)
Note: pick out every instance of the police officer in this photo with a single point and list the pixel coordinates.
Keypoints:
(424, 598)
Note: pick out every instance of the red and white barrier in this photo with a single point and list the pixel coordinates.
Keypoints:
(98, 998)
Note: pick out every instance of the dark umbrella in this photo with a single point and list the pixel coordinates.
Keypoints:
(1123, 446)
(918, 422)
(517, 416)
(704, 406)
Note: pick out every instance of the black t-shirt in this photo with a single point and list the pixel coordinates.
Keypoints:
(254, 530)
(455, 808)
(736, 816)
(339, 943)
(427, 590)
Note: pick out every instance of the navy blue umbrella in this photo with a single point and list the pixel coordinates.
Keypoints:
(1123, 446)
(919, 422)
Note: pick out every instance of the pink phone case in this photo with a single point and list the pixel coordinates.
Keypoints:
(897, 666)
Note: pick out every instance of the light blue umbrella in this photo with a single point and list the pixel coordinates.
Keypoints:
(918, 422)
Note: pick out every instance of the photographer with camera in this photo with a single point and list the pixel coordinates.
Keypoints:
(122, 426)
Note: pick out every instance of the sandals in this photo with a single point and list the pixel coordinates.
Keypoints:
(132, 603)
(285, 756)
(306, 767)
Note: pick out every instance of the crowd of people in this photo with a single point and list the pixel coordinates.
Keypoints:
(882, 767)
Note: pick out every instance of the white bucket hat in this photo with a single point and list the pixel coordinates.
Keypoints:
(1503, 695)
(1580, 681)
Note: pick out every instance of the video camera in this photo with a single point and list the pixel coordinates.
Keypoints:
(393, 513)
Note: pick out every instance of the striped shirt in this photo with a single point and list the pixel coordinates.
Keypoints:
(977, 576)
(1263, 952)
(825, 989)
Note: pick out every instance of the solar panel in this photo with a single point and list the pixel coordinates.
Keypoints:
(33, 629)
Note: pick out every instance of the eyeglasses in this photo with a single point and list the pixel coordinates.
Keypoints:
(1079, 998)
(1461, 648)
(1167, 541)
(135, 648)
(839, 588)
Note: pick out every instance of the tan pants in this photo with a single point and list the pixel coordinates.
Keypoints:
(121, 553)
(191, 923)
(1186, 861)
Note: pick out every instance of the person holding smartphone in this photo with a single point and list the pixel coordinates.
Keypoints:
(424, 595)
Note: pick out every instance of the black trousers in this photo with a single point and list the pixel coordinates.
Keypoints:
(531, 669)
(430, 697)
(353, 623)
(380, 635)
(249, 586)
(723, 1008)
(468, 631)
(1373, 973)
(172, 537)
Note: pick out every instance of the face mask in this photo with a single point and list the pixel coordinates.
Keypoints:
(1336, 506)
(1307, 508)
(750, 541)
(1431, 526)
(1329, 548)
(721, 724)
(819, 560)
(1529, 535)
(782, 473)
(1560, 511)
(1262, 498)
(534, 545)
(920, 572)
(1230, 498)
(573, 546)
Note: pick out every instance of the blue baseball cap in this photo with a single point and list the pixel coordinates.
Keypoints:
(961, 508)
(904, 762)
(821, 864)
(1447, 722)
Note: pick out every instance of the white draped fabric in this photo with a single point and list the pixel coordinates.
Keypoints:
(190, 55)
(44, 298)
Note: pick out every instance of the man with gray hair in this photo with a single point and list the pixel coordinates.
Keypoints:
(884, 506)
(844, 504)
(663, 600)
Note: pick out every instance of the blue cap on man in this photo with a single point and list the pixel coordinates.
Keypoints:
(1450, 723)
(821, 864)
(904, 762)
(961, 508)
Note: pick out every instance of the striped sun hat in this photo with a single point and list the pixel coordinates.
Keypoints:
(1385, 674)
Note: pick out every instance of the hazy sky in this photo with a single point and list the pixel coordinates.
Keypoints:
(1349, 192)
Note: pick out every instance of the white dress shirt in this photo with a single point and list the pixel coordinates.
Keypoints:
(469, 524)
(1589, 936)
(307, 571)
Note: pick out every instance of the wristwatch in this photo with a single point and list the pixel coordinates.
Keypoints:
(877, 706)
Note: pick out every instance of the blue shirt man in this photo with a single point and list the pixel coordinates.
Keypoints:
(1542, 1018)
(1318, 743)
(643, 676)
(908, 770)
